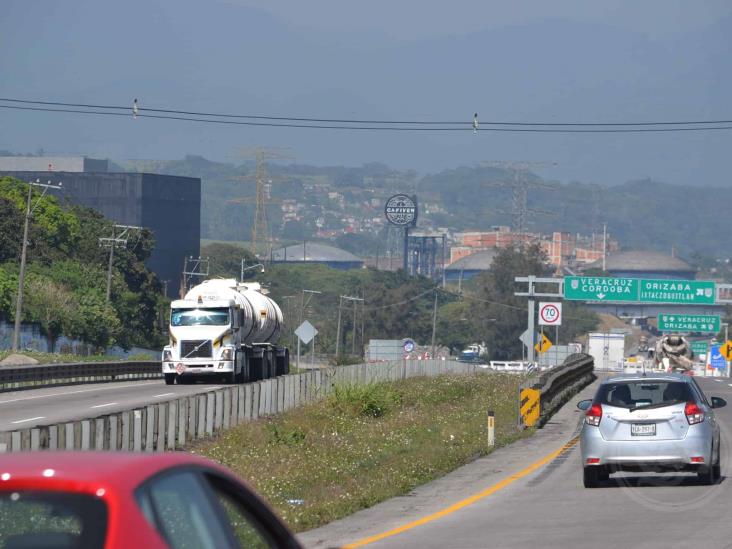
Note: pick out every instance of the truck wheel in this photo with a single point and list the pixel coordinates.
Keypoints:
(169, 379)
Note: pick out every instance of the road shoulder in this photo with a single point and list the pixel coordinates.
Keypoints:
(456, 486)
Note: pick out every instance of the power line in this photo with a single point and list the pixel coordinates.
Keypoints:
(390, 125)
(367, 121)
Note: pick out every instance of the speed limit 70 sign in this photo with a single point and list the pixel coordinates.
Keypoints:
(550, 314)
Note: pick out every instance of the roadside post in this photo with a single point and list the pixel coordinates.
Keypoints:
(491, 429)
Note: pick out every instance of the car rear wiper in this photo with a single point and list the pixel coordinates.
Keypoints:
(657, 405)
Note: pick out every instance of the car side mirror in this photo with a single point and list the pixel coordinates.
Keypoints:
(718, 402)
(584, 404)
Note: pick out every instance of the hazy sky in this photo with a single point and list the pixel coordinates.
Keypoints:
(409, 19)
(532, 60)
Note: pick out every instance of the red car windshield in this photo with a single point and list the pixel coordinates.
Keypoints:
(42, 519)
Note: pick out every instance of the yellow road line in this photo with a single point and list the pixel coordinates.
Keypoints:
(467, 501)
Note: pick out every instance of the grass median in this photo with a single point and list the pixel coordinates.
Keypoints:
(364, 444)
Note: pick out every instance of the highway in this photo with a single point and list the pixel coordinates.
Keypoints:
(530, 495)
(31, 408)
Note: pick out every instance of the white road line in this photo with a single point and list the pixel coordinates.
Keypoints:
(719, 380)
(104, 405)
(75, 392)
(163, 395)
(26, 420)
(730, 384)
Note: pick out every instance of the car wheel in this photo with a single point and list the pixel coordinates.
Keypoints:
(590, 476)
(705, 475)
(717, 466)
(169, 379)
(603, 473)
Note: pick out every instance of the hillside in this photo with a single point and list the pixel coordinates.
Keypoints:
(345, 205)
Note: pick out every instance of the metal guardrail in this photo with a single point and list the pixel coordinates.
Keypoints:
(551, 388)
(13, 378)
(175, 423)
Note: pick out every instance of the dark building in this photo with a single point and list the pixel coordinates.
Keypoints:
(167, 205)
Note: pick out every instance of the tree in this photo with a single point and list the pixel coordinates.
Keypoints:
(11, 227)
(49, 304)
(225, 260)
(94, 320)
(501, 316)
(64, 252)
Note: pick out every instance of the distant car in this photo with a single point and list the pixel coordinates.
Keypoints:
(125, 500)
(650, 423)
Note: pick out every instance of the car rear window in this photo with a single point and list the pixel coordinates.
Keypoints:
(644, 393)
(40, 519)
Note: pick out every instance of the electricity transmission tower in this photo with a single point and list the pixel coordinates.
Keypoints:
(118, 238)
(261, 236)
(520, 183)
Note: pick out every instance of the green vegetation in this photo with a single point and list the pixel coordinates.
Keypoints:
(67, 271)
(363, 445)
(399, 306)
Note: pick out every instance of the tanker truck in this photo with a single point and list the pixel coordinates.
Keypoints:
(225, 330)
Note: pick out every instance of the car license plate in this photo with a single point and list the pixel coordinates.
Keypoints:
(643, 429)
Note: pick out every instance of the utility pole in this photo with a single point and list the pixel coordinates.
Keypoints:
(604, 244)
(199, 267)
(303, 305)
(23, 253)
(353, 342)
(434, 324)
(338, 330)
(116, 239)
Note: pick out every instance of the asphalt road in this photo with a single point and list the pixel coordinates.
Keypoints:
(530, 495)
(31, 408)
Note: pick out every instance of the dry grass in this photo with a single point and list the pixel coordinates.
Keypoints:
(366, 444)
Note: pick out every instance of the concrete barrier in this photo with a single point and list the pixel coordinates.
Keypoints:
(175, 423)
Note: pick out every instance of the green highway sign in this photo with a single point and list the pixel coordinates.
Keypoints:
(688, 323)
(600, 288)
(640, 290)
(699, 347)
(693, 292)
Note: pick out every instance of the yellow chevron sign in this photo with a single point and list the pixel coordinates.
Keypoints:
(543, 345)
(726, 350)
(530, 406)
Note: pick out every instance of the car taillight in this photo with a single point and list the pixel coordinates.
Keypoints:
(594, 415)
(693, 413)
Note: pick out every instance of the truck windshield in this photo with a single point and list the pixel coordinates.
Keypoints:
(218, 316)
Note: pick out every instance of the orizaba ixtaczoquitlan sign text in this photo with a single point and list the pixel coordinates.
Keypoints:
(600, 288)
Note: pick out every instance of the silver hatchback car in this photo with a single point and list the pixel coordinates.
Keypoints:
(658, 422)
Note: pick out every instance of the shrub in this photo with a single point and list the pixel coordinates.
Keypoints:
(371, 400)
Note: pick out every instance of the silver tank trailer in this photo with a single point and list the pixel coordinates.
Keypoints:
(261, 317)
